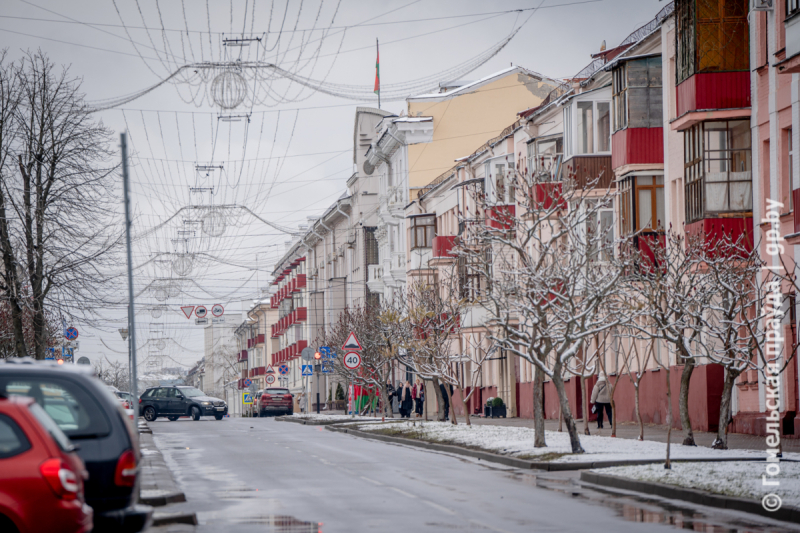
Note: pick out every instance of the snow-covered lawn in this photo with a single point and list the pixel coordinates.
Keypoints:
(742, 479)
(518, 442)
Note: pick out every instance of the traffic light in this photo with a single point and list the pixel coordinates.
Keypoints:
(60, 361)
(317, 356)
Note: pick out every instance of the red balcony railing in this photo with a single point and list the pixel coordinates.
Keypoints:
(500, 216)
(711, 231)
(443, 244)
(546, 195)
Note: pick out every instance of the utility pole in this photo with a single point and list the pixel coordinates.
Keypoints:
(131, 314)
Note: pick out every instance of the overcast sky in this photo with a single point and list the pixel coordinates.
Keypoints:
(294, 156)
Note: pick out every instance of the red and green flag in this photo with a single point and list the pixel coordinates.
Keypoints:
(377, 70)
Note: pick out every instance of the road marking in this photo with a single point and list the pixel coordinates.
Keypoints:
(439, 507)
(378, 483)
(487, 526)
(404, 493)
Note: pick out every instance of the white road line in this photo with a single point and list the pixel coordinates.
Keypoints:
(378, 483)
(404, 493)
(439, 507)
(487, 526)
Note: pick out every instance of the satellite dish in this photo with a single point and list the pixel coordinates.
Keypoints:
(84, 361)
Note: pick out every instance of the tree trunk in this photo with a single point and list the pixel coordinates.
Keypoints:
(638, 411)
(465, 403)
(439, 400)
(566, 414)
(538, 409)
(721, 442)
(585, 403)
(683, 402)
(613, 413)
(668, 464)
(387, 404)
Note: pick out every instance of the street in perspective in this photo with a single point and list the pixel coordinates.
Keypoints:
(310, 266)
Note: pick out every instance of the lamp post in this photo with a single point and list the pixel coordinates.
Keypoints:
(124, 334)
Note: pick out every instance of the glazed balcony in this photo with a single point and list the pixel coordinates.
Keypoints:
(589, 171)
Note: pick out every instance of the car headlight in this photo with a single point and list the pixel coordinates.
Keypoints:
(206, 403)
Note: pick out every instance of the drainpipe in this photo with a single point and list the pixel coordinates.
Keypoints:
(348, 287)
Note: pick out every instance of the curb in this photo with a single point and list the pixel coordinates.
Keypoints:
(163, 519)
(313, 422)
(521, 463)
(161, 499)
(785, 513)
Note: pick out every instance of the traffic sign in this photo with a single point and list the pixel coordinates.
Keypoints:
(327, 367)
(270, 379)
(84, 361)
(307, 354)
(283, 369)
(200, 311)
(307, 370)
(270, 370)
(247, 398)
(247, 383)
(352, 343)
(71, 334)
(217, 310)
(187, 310)
(200, 321)
(325, 351)
(352, 360)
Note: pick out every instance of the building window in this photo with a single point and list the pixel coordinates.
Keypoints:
(370, 246)
(600, 231)
(544, 158)
(718, 169)
(790, 161)
(423, 230)
(637, 90)
(711, 36)
(642, 204)
(792, 7)
(593, 127)
(501, 181)
(472, 283)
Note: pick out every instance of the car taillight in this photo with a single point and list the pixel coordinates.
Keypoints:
(125, 475)
(61, 479)
(140, 400)
(287, 396)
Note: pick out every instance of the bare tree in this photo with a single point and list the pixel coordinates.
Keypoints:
(113, 373)
(635, 362)
(57, 198)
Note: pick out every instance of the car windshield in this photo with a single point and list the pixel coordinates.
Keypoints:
(75, 410)
(276, 391)
(191, 392)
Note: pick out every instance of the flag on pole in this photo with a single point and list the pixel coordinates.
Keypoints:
(377, 70)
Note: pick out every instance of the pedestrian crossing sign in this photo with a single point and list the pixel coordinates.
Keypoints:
(307, 370)
(247, 399)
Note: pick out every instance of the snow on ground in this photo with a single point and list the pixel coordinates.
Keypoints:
(329, 418)
(742, 479)
(518, 442)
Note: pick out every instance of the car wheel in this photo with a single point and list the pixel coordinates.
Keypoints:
(150, 414)
(172, 418)
(218, 416)
(195, 413)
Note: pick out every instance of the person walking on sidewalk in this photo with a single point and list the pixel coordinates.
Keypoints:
(406, 401)
(302, 402)
(601, 398)
(418, 393)
(446, 400)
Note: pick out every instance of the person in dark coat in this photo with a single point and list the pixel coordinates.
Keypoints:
(418, 393)
(404, 397)
(446, 400)
(389, 396)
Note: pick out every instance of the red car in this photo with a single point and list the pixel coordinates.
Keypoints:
(276, 401)
(41, 477)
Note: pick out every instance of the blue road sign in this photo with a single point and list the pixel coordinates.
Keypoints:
(283, 369)
(327, 367)
(247, 383)
(325, 351)
(307, 371)
(247, 398)
(71, 334)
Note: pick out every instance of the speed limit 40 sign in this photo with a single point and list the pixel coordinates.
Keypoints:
(352, 360)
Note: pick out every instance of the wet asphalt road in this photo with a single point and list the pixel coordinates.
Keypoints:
(269, 476)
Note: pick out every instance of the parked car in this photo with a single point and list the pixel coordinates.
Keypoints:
(126, 399)
(41, 476)
(93, 419)
(177, 401)
(275, 400)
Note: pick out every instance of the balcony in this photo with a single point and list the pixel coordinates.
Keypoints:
(548, 194)
(443, 245)
(259, 339)
(500, 217)
(709, 232)
(712, 96)
(637, 146)
(375, 278)
(258, 371)
(243, 355)
(593, 171)
(650, 246)
(419, 258)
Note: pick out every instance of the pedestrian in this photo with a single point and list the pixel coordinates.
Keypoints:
(446, 400)
(405, 397)
(389, 396)
(303, 402)
(418, 393)
(601, 398)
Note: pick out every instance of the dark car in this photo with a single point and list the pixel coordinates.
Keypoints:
(41, 476)
(175, 402)
(93, 419)
(275, 400)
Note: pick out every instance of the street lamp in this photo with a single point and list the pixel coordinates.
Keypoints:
(123, 332)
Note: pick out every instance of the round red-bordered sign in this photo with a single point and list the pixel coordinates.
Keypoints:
(270, 379)
(201, 312)
(352, 360)
(217, 310)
